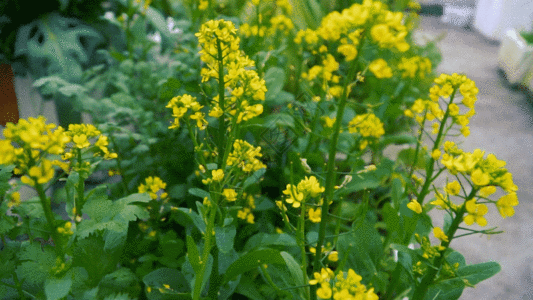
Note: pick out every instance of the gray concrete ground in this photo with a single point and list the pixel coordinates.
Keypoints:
(503, 125)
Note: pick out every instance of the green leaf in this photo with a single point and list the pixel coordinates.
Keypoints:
(266, 239)
(199, 193)
(192, 254)
(5, 176)
(53, 44)
(224, 238)
(186, 217)
(274, 81)
(247, 288)
(452, 289)
(172, 277)
(36, 266)
(158, 21)
(362, 248)
(407, 156)
(57, 288)
(170, 88)
(294, 269)
(254, 178)
(279, 119)
(122, 281)
(252, 260)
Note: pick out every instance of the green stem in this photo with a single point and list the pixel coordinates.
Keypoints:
(47, 209)
(221, 104)
(331, 176)
(301, 243)
(119, 165)
(436, 145)
(428, 279)
(205, 254)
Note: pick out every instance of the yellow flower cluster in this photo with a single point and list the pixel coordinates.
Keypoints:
(245, 157)
(186, 105)
(307, 188)
(26, 145)
(343, 285)
(220, 43)
(81, 134)
(485, 174)
(415, 66)
(387, 29)
(280, 23)
(66, 229)
(368, 126)
(245, 213)
(446, 86)
(248, 30)
(152, 185)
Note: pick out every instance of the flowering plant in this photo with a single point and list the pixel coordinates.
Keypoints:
(290, 194)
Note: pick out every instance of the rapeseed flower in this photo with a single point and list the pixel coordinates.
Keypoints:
(380, 69)
(153, 185)
(476, 213)
(506, 205)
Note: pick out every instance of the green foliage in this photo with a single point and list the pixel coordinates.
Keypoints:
(53, 45)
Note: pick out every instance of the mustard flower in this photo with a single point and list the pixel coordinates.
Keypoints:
(438, 233)
(152, 185)
(294, 196)
(245, 157)
(217, 175)
(315, 215)
(441, 201)
(246, 214)
(476, 213)
(506, 203)
(453, 188)
(415, 206)
(310, 186)
(230, 195)
(348, 50)
(380, 69)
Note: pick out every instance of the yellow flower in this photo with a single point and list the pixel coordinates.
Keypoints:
(230, 195)
(380, 69)
(487, 191)
(315, 215)
(441, 201)
(436, 154)
(453, 188)
(348, 50)
(438, 233)
(310, 186)
(475, 213)
(333, 256)
(217, 175)
(415, 206)
(480, 178)
(505, 205)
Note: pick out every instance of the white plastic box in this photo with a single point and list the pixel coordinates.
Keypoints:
(515, 57)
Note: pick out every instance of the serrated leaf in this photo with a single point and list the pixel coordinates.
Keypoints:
(53, 44)
(112, 216)
(224, 237)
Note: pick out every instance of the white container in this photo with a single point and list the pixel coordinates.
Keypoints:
(493, 18)
(515, 57)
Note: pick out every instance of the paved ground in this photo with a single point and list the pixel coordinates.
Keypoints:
(503, 126)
